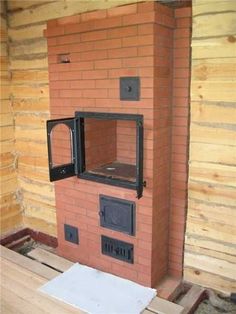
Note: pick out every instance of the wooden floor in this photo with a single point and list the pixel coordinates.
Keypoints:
(22, 276)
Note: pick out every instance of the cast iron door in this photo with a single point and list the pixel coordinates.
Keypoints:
(62, 148)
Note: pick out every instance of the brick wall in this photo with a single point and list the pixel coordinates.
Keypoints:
(162, 141)
(180, 139)
(126, 142)
(100, 142)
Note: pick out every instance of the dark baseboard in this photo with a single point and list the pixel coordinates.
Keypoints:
(35, 235)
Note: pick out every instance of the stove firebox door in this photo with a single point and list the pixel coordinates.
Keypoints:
(62, 148)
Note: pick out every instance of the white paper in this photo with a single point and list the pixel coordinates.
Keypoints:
(97, 292)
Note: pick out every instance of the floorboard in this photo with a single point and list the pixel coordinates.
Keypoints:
(21, 277)
(50, 259)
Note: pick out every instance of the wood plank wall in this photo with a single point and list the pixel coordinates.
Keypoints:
(210, 249)
(10, 217)
(30, 96)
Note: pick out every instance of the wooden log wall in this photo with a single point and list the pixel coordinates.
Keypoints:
(210, 249)
(210, 236)
(30, 99)
(10, 217)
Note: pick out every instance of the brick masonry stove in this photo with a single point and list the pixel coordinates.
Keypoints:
(102, 224)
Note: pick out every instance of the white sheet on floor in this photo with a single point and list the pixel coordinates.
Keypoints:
(97, 292)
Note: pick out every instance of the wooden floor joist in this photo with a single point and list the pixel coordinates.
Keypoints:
(22, 276)
(162, 306)
(192, 298)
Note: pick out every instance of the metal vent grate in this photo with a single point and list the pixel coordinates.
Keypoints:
(118, 249)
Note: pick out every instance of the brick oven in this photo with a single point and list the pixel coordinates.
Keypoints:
(110, 137)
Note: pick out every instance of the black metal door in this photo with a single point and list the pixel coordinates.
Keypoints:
(62, 148)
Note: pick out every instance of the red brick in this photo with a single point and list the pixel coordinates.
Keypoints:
(165, 20)
(179, 203)
(175, 266)
(140, 18)
(144, 279)
(122, 32)
(93, 55)
(147, 93)
(176, 243)
(108, 64)
(74, 19)
(108, 23)
(70, 75)
(122, 10)
(180, 140)
(114, 94)
(176, 219)
(146, 51)
(181, 73)
(94, 15)
(137, 41)
(122, 72)
(110, 83)
(95, 93)
(80, 66)
(182, 33)
(52, 41)
(181, 176)
(162, 72)
(55, 50)
(181, 102)
(138, 62)
(179, 194)
(183, 22)
(52, 23)
(124, 272)
(70, 93)
(60, 85)
(165, 10)
(146, 29)
(94, 36)
(146, 72)
(181, 82)
(182, 63)
(181, 92)
(146, 7)
(96, 74)
(183, 12)
(181, 112)
(176, 274)
(81, 47)
(122, 52)
(179, 167)
(55, 31)
(182, 42)
(108, 44)
(147, 82)
(143, 269)
(82, 84)
(68, 39)
(59, 67)
(79, 27)
(145, 227)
